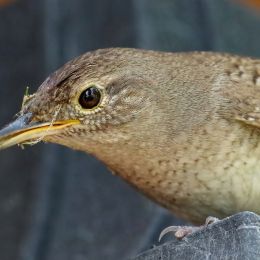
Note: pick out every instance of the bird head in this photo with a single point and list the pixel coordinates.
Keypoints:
(101, 97)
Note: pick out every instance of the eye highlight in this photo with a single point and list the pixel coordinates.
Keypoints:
(90, 97)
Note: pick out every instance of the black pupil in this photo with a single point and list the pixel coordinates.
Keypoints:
(90, 97)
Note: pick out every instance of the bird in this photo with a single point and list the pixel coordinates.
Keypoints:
(182, 128)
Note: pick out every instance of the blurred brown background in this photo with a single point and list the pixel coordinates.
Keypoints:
(59, 204)
(252, 3)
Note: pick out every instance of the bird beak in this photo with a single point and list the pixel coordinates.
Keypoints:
(22, 131)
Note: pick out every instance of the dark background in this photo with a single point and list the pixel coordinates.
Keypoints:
(59, 204)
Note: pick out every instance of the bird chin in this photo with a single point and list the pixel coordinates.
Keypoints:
(21, 132)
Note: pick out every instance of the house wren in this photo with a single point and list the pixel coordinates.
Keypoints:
(183, 128)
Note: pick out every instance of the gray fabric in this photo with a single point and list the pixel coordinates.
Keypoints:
(60, 204)
(234, 238)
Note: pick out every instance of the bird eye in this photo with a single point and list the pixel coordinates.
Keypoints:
(90, 97)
